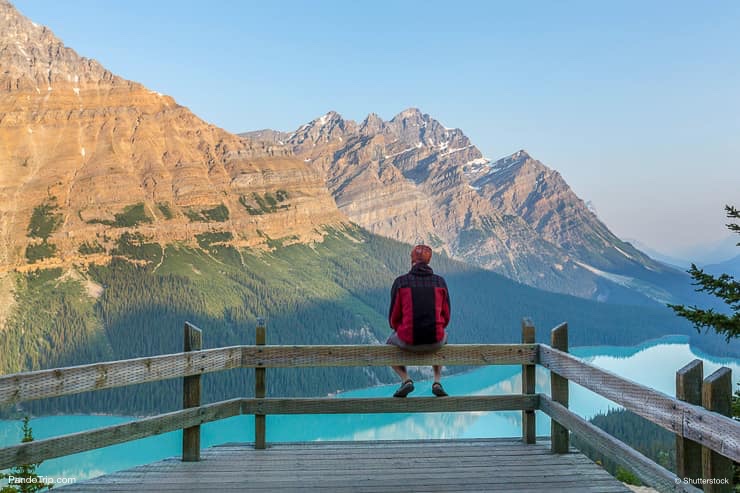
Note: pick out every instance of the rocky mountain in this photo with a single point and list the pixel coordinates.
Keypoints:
(413, 179)
(90, 158)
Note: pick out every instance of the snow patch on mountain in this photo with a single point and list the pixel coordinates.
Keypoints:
(660, 295)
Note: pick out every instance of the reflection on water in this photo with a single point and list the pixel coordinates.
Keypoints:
(653, 364)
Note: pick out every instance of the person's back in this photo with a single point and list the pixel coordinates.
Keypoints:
(420, 309)
(419, 313)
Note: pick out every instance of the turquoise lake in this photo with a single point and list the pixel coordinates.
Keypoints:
(653, 364)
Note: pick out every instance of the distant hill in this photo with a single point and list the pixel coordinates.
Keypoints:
(731, 266)
(714, 252)
(671, 261)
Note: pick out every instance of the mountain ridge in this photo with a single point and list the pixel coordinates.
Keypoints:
(413, 179)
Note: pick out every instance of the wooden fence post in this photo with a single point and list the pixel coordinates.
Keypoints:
(193, 341)
(716, 396)
(559, 391)
(688, 389)
(259, 389)
(528, 384)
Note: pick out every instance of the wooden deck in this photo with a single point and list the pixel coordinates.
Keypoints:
(391, 466)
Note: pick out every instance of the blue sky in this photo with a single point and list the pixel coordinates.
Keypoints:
(636, 104)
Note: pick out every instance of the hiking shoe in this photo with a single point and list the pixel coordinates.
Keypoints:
(438, 390)
(405, 389)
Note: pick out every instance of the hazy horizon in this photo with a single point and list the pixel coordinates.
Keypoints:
(634, 104)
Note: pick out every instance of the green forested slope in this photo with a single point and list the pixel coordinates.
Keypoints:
(647, 438)
(333, 292)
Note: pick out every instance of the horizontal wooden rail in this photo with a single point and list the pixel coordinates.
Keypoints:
(39, 450)
(707, 428)
(41, 384)
(386, 355)
(374, 405)
(648, 471)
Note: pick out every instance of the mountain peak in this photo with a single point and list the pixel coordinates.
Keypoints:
(34, 58)
(410, 114)
(331, 116)
(372, 124)
(511, 163)
(411, 111)
(521, 154)
(372, 117)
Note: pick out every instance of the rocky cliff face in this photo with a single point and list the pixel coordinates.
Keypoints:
(521, 185)
(88, 156)
(414, 180)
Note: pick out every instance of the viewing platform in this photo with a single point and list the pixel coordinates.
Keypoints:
(707, 439)
(407, 466)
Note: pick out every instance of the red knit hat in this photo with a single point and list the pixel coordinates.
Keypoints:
(421, 253)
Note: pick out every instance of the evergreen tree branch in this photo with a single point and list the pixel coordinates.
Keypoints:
(733, 213)
(726, 325)
(724, 287)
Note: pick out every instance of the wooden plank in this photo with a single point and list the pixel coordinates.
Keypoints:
(509, 455)
(260, 389)
(720, 433)
(39, 450)
(451, 475)
(371, 405)
(512, 457)
(473, 443)
(716, 396)
(529, 432)
(375, 487)
(321, 461)
(372, 485)
(193, 341)
(559, 391)
(517, 465)
(648, 471)
(391, 484)
(41, 384)
(688, 389)
(491, 444)
(392, 451)
(386, 355)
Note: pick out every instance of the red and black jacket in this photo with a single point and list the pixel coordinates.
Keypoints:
(420, 306)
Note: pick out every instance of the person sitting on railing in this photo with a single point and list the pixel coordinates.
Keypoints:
(419, 314)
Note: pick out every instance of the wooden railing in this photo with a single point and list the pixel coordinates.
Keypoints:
(707, 429)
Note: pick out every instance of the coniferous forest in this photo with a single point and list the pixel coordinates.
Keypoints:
(642, 435)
